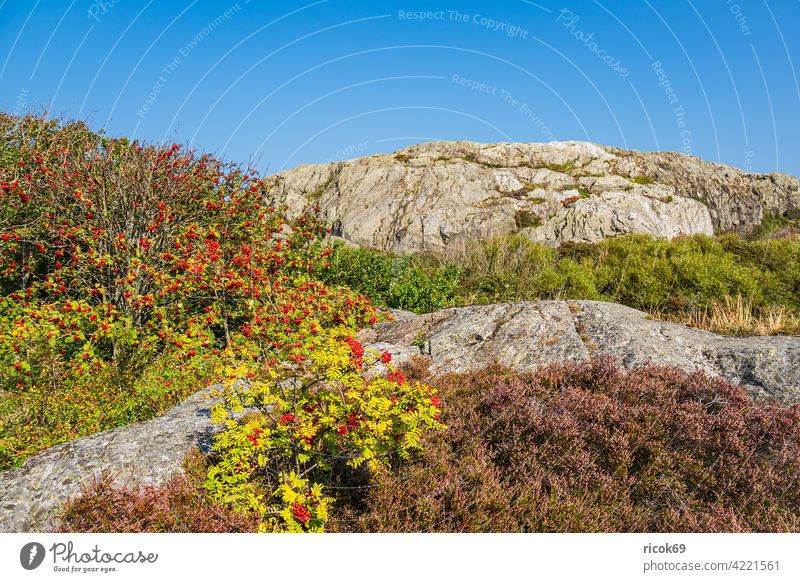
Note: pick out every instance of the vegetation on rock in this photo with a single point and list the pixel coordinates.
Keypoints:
(132, 275)
(725, 283)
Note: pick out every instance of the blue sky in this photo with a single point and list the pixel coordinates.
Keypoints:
(284, 83)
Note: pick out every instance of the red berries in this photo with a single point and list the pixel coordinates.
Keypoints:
(357, 350)
(254, 436)
(301, 513)
(397, 377)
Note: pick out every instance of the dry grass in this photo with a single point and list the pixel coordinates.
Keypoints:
(738, 316)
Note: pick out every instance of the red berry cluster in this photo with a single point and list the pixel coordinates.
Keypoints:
(254, 436)
(301, 513)
(354, 420)
(357, 356)
(397, 377)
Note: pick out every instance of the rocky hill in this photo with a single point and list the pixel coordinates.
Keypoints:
(429, 196)
(166, 272)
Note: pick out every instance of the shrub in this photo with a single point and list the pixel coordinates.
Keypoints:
(419, 290)
(307, 422)
(410, 283)
(679, 279)
(178, 506)
(591, 448)
(126, 270)
(364, 269)
(526, 219)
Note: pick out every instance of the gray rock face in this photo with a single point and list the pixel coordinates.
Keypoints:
(431, 195)
(527, 335)
(611, 213)
(148, 452)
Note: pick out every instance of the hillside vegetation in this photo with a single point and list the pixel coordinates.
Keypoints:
(726, 283)
(133, 275)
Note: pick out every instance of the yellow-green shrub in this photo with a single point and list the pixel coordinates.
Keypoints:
(320, 408)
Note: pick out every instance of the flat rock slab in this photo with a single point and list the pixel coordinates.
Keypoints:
(528, 335)
(146, 452)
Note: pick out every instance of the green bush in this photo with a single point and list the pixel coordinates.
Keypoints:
(646, 273)
(421, 291)
(685, 274)
(364, 269)
(394, 281)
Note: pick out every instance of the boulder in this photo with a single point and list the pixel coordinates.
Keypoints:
(527, 335)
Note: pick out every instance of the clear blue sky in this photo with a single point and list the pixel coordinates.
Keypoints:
(285, 83)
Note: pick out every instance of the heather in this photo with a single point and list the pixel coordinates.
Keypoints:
(726, 283)
(178, 506)
(592, 448)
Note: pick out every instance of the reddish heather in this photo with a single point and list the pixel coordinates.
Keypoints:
(591, 448)
(175, 507)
